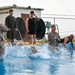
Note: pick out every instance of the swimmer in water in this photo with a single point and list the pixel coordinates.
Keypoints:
(34, 51)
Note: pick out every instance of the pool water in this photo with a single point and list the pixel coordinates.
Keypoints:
(18, 61)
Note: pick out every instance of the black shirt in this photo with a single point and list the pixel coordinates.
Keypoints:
(62, 41)
(32, 26)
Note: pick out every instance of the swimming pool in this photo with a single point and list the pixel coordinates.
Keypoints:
(18, 61)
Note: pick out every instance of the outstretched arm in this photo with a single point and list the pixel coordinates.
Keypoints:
(72, 45)
(65, 41)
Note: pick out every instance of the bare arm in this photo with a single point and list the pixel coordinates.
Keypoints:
(36, 17)
(65, 41)
(27, 24)
(72, 45)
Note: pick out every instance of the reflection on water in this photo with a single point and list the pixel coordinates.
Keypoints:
(17, 61)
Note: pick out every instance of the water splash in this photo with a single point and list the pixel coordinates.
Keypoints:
(45, 61)
(43, 52)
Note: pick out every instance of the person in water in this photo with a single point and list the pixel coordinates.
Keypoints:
(53, 36)
(3, 28)
(31, 26)
(67, 40)
(33, 50)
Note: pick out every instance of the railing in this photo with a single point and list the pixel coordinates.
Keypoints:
(66, 23)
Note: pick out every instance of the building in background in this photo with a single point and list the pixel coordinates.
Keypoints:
(18, 12)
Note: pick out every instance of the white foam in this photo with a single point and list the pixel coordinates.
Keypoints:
(42, 51)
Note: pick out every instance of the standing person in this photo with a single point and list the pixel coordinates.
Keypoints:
(3, 28)
(10, 23)
(31, 26)
(53, 37)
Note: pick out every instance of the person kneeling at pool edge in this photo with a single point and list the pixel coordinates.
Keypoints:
(67, 39)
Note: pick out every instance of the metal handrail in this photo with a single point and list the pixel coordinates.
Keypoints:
(57, 28)
(20, 35)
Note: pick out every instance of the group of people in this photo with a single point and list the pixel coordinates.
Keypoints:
(10, 27)
(30, 26)
(54, 38)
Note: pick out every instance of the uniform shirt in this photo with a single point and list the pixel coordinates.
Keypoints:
(2, 29)
(52, 38)
(10, 22)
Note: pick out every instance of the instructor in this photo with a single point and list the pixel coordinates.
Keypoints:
(31, 27)
(10, 23)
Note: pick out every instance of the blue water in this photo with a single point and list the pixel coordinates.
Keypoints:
(18, 61)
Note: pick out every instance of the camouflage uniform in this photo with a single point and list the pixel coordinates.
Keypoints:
(10, 23)
(2, 48)
(53, 37)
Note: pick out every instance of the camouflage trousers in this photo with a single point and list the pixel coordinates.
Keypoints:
(2, 49)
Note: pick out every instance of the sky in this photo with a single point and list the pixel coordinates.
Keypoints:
(50, 6)
(66, 7)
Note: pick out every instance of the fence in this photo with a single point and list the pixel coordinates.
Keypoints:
(66, 23)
